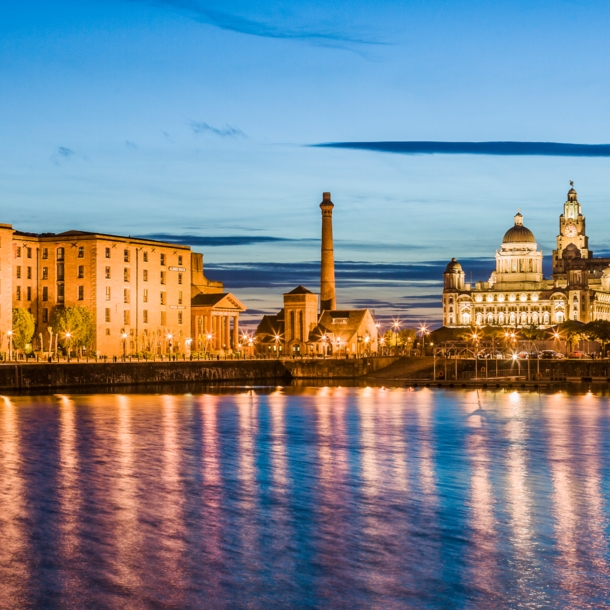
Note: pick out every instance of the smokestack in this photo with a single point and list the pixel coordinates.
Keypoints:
(328, 299)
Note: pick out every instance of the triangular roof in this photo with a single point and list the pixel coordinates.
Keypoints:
(300, 290)
(221, 300)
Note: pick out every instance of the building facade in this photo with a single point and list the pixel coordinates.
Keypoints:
(138, 290)
(518, 295)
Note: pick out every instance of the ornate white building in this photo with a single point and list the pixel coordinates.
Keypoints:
(517, 294)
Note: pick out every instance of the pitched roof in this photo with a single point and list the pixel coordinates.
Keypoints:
(300, 290)
(225, 299)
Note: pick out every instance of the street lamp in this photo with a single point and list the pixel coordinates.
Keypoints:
(124, 335)
(396, 326)
(423, 329)
(382, 343)
(171, 345)
(10, 344)
(69, 338)
(324, 340)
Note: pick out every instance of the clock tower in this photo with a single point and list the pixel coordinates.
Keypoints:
(571, 233)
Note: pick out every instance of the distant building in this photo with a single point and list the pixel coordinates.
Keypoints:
(308, 325)
(139, 290)
(517, 294)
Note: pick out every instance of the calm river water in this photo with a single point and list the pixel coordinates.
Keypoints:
(322, 497)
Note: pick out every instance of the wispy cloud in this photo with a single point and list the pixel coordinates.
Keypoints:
(224, 132)
(63, 153)
(218, 241)
(542, 149)
(204, 12)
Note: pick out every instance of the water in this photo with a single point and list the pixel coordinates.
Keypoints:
(321, 497)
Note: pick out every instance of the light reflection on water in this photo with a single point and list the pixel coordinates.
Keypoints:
(334, 497)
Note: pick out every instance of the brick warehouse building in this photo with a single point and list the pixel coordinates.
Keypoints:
(139, 290)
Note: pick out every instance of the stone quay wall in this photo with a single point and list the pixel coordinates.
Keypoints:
(337, 368)
(18, 377)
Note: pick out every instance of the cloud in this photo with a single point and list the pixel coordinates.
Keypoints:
(63, 153)
(542, 149)
(221, 240)
(130, 144)
(225, 132)
(202, 12)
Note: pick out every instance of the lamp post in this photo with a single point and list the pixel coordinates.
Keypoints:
(10, 344)
(170, 338)
(69, 338)
(381, 344)
(277, 345)
(423, 330)
(324, 340)
(124, 335)
(367, 340)
(188, 345)
(396, 326)
(475, 340)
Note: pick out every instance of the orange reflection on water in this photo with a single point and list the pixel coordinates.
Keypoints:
(13, 545)
(369, 458)
(70, 499)
(173, 501)
(125, 493)
(277, 405)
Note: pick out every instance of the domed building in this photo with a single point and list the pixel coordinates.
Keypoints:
(517, 294)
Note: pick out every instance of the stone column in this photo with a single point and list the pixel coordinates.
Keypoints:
(227, 331)
(328, 301)
(235, 331)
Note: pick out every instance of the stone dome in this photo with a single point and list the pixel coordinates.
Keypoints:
(453, 267)
(518, 233)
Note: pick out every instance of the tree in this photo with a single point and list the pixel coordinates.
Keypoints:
(533, 332)
(78, 322)
(599, 330)
(402, 337)
(23, 327)
(572, 330)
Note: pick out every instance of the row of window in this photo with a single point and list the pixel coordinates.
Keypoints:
(81, 274)
(60, 254)
(126, 296)
(127, 317)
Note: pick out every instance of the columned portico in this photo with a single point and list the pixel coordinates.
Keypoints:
(215, 322)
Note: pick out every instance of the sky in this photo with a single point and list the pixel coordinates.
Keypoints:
(220, 124)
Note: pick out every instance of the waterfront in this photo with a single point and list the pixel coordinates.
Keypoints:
(310, 497)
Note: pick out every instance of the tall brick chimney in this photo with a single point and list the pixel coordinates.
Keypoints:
(328, 299)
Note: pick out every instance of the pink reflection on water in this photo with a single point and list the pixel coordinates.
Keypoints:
(13, 545)
(424, 404)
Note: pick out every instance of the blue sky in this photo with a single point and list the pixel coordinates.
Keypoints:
(196, 118)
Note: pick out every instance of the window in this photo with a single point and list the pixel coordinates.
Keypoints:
(180, 278)
(180, 297)
(126, 255)
(81, 252)
(45, 254)
(179, 317)
(162, 298)
(126, 296)
(107, 273)
(18, 252)
(45, 315)
(107, 331)
(29, 293)
(145, 275)
(163, 277)
(107, 252)
(145, 316)
(29, 273)
(162, 258)
(45, 273)
(108, 293)
(107, 314)
(180, 260)
(45, 293)
(29, 251)
(18, 272)
(60, 272)
(60, 254)
(81, 271)
(126, 274)
(163, 318)
(126, 316)
(145, 256)
(18, 293)
(145, 296)
(60, 293)
(81, 293)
